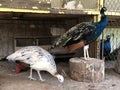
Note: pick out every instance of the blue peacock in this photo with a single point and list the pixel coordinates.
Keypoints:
(83, 33)
(106, 47)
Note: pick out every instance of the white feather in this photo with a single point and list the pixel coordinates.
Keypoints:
(38, 58)
(79, 6)
(70, 5)
(73, 5)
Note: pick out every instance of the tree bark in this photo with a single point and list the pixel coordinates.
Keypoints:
(87, 70)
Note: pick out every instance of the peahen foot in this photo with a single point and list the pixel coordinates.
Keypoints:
(31, 78)
(41, 79)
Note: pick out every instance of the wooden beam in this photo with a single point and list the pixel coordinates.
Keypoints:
(59, 11)
(23, 10)
(97, 49)
(56, 11)
(101, 3)
(113, 13)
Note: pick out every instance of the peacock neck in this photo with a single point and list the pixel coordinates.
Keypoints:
(101, 25)
(104, 20)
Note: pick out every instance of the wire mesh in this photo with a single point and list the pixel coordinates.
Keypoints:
(113, 30)
(30, 4)
(112, 5)
(75, 4)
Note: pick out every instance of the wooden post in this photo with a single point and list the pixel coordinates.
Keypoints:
(117, 64)
(87, 70)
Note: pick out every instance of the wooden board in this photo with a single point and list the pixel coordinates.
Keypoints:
(117, 64)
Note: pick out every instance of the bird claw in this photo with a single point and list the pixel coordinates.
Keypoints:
(42, 80)
(31, 78)
(87, 58)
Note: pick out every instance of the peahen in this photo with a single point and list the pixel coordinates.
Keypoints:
(83, 34)
(38, 59)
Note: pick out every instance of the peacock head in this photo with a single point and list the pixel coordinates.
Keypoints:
(104, 9)
(60, 78)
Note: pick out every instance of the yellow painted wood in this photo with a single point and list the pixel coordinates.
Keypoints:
(113, 13)
(101, 3)
(23, 10)
(60, 11)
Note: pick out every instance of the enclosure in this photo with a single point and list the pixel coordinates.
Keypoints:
(36, 21)
(41, 22)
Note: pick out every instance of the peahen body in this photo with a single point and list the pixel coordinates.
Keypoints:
(38, 59)
(83, 33)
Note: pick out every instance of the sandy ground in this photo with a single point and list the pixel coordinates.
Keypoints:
(9, 80)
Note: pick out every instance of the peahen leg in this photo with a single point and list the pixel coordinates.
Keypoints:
(86, 53)
(40, 76)
(30, 77)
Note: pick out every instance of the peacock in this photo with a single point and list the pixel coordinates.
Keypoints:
(106, 46)
(83, 34)
(38, 59)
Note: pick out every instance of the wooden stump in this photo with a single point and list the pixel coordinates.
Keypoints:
(87, 70)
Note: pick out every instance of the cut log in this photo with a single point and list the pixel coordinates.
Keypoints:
(87, 70)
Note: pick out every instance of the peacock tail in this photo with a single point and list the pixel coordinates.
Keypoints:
(75, 34)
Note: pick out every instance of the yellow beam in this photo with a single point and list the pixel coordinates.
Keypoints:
(113, 13)
(61, 11)
(101, 4)
(23, 10)
(92, 12)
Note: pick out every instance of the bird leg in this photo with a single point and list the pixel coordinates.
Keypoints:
(86, 53)
(40, 76)
(30, 77)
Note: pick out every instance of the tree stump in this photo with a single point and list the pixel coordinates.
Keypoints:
(87, 70)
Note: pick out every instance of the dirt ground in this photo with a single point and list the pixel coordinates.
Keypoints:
(10, 80)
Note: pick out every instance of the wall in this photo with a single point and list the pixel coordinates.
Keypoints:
(10, 29)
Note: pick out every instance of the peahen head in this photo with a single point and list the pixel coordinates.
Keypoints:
(104, 9)
(60, 78)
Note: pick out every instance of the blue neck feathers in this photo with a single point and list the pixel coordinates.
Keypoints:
(100, 26)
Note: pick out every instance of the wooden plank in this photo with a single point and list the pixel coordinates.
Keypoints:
(117, 64)
(5, 41)
(1, 54)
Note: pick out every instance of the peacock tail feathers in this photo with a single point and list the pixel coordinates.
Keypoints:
(75, 33)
